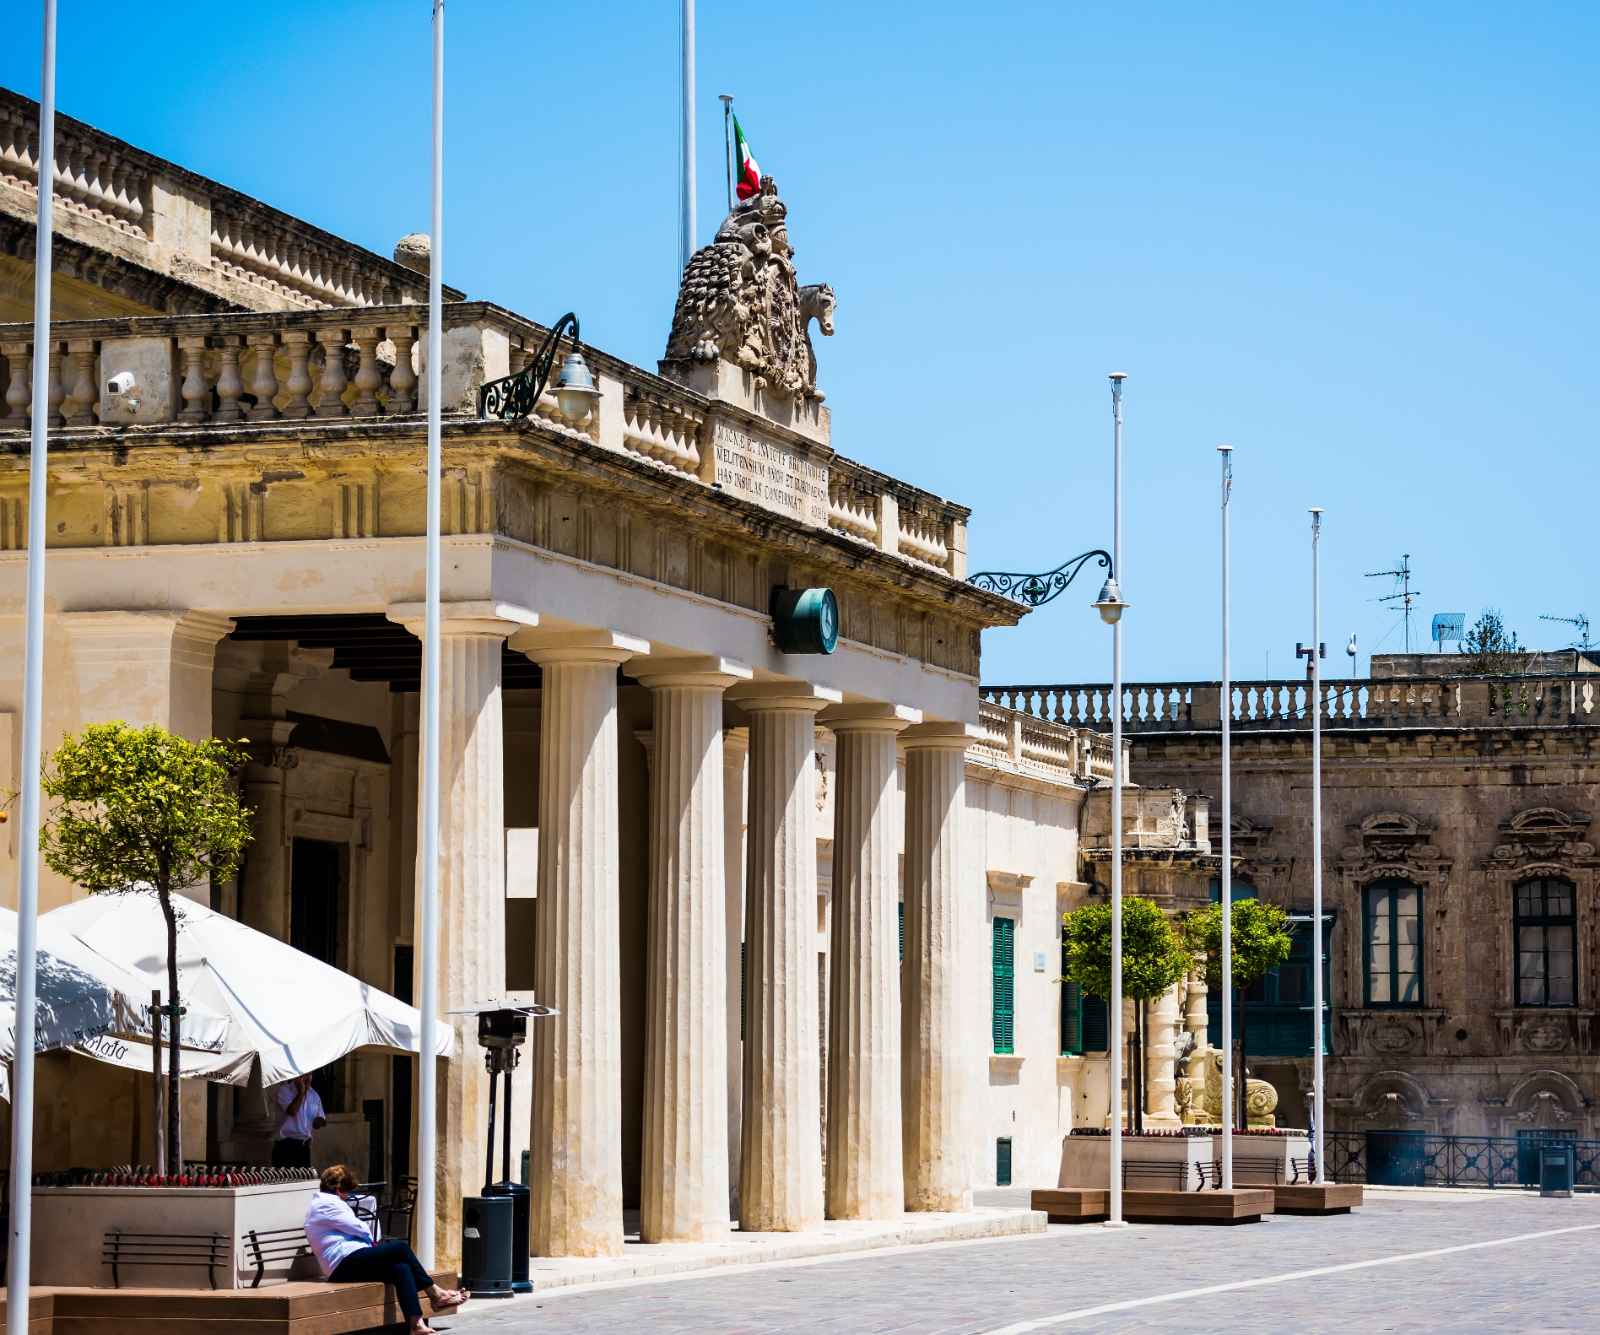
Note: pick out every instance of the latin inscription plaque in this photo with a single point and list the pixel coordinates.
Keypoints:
(771, 474)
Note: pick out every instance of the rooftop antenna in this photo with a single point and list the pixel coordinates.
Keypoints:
(1580, 621)
(1406, 594)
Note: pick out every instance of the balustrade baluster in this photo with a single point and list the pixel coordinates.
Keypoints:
(229, 384)
(77, 407)
(264, 377)
(56, 394)
(403, 379)
(334, 381)
(367, 378)
(297, 345)
(196, 393)
(19, 358)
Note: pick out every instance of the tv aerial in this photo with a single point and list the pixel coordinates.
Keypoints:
(1580, 621)
(1404, 596)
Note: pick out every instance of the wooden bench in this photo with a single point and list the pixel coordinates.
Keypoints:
(1259, 1165)
(195, 1251)
(297, 1308)
(1317, 1198)
(1086, 1205)
(1301, 1168)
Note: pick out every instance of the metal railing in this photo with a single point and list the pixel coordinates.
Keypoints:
(1413, 1159)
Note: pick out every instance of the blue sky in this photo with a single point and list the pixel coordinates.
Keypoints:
(1356, 243)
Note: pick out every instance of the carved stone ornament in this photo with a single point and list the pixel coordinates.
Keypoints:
(1393, 1036)
(1543, 833)
(1550, 1035)
(739, 301)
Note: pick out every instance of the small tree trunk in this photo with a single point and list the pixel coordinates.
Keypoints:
(174, 1114)
(1136, 1075)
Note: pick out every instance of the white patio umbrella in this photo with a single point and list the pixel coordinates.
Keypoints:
(284, 1009)
(84, 999)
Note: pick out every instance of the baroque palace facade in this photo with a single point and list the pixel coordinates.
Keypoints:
(1459, 876)
(799, 912)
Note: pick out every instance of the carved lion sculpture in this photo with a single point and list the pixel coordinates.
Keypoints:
(1260, 1098)
(739, 301)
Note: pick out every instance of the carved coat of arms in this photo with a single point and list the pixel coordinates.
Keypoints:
(739, 301)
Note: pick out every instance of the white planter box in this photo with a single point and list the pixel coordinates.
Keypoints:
(1086, 1160)
(1251, 1152)
(70, 1224)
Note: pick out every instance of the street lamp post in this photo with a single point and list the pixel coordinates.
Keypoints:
(1111, 607)
(1226, 701)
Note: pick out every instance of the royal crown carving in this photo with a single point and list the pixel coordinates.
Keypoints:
(740, 301)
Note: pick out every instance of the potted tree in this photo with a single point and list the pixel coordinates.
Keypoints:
(1154, 957)
(144, 811)
(1261, 942)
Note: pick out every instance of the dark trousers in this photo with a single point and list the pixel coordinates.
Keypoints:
(287, 1153)
(391, 1262)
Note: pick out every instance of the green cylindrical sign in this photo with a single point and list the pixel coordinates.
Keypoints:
(805, 621)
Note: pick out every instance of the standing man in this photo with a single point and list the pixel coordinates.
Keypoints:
(301, 1110)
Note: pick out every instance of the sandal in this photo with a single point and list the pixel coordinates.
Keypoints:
(449, 1299)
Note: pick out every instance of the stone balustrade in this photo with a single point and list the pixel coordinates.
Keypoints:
(369, 361)
(167, 239)
(1396, 702)
(1042, 749)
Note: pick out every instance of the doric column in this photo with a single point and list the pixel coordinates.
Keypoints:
(735, 751)
(684, 1196)
(933, 1083)
(780, 1160)
(865, 1168)
(472, 950)
(577, 1078)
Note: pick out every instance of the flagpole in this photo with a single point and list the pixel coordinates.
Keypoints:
(1226, 702)
(1318, 1175)
(32, 712)
(427, 1062)
(686, 235)
(727, 143)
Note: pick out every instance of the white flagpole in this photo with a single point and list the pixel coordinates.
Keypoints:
(428, 1063)
(20, 1268)
(1226, 701)
(1316, 840)
(727, 143)
(1115, 1203)
(686, 235)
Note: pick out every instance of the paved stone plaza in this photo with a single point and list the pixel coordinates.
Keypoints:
(1463, 1261)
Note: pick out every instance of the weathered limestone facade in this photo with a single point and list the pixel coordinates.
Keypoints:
(1459, 792)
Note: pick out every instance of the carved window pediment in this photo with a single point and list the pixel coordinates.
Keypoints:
(1393, 843)
(1543, 833)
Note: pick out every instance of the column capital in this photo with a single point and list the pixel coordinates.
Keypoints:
(707, 671)
(735, 744)
(578, 646)
(941, 736)
(475, 617)
(785, 697)
(870, 717)
(206, 627)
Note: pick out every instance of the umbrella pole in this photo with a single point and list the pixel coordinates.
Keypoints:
(488, 1159)
(505, 1120)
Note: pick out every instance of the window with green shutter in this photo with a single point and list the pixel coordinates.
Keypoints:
(1095, 1024)
(1071, 1008)
(1002, 1162)
(1004, 1016)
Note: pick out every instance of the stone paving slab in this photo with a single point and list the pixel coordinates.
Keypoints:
(1533, 1274)
(836, 1237)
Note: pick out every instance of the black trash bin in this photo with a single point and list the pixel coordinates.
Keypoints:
(521, 1206)
(1556, 1169)
(486, 1246)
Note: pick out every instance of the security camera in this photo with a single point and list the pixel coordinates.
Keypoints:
(121, 383)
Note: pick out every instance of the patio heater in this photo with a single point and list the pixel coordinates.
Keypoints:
(494, 1242)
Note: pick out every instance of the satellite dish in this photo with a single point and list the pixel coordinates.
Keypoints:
(1351, 648)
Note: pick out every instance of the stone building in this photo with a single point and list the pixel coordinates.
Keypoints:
(1459, 873)
(688, 839)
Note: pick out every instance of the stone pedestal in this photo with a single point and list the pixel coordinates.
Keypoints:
(780, 1163)
(685, 1172)
(577, 1081)
(865, 1168)
(933, 1101)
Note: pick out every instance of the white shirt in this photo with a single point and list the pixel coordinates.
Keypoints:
(297, 1127)
(333, 1230)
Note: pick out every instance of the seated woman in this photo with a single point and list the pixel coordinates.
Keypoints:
(346, 1252)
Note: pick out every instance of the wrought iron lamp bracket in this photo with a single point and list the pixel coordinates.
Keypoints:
(1037, 590)
(515, 396)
